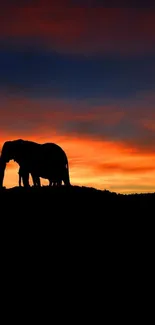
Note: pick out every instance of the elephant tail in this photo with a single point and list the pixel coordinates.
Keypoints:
(67, 177)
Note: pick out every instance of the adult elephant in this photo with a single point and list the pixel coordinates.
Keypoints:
(46, 160)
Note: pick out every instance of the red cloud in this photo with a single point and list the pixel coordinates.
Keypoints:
(125, 168)
(22, 117)
(55, 111)
(81, 30)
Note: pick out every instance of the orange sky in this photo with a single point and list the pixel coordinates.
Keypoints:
(123, 165)
(100, 164)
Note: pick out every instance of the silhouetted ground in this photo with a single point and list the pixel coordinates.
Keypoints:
(79, 215)
(78, 237)
(72, 201)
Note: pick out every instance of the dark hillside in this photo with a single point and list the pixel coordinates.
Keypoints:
(84, 201)
(76, 232)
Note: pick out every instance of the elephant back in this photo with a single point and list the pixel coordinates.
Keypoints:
(53, 154)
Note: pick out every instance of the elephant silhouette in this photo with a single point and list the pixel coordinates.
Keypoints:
(47, 160)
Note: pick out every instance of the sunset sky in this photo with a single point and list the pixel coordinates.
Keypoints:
(83, 76)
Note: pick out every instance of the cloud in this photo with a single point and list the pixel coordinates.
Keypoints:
(124, 168)
(124, 122)
(39, 74)
(65, 28)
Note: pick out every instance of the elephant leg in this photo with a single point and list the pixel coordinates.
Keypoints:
(26, 179)
(20, 181)
(50, 182)
(36, 180)
(23, 177)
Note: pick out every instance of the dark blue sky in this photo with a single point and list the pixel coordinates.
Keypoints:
(39, 74)
(79, 59)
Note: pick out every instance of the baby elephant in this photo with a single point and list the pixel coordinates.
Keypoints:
(24, 174)
(36, 180)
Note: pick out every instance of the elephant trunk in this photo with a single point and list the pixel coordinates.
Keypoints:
(2, 170)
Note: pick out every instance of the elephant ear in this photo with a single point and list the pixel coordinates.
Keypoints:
(17, 149)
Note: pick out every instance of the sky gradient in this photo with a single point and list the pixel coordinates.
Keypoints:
(83, 76)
